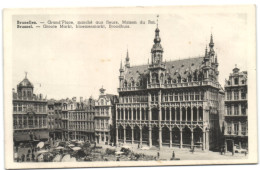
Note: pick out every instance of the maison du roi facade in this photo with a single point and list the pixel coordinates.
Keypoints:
(174, 103)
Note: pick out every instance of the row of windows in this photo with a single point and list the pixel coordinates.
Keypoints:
(81, 116)
(23, 107)
(236, 95)
(101, 124)
(29, 121)
(236, 110)
(103, 111)
(180, 96)
(133, 99)
(81, 125)
(236, 129)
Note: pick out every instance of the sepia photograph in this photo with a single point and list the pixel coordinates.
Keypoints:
(107, 87)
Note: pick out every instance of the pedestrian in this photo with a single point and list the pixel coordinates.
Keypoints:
(245, 153)
(158, 155)
(173, 154)
(233, 153)
(28, 157)
(23, 157)
(18, 159)
(33, 156)
(29, 151)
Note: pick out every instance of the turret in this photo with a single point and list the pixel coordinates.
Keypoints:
(121, 77)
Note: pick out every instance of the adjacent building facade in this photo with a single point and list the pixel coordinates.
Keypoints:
(174, 103)
(81, 119)
(30, 116)
(236, 116)
(105, 118)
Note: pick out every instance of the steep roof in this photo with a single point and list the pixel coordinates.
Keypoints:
(173, 69)
(25, 83)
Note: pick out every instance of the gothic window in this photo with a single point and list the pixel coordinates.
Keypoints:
(229, 95)
(30, 121)
(171, 97)
(181, 96)
(236, 128)
(191, 95)
(165, 97)
(202, 95)
(176, 96)
(186, 96)
(197, 95)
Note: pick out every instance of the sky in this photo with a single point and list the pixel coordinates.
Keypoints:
(65, 63)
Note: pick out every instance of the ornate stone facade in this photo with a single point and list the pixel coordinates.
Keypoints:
(174, 103)
(105, 118)
(236, 124)
(29, 114)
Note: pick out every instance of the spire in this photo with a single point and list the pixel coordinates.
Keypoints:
(211, 44)
(206, 51)
(121, 65)
(127, 59)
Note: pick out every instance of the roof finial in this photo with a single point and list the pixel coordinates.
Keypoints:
(26, 74)
(235, 65)
(157, 20)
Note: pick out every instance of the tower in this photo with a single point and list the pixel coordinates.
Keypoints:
(25, 87)
(157, 50)
(121, 77)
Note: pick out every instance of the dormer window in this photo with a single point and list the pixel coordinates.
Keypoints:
(236, 81)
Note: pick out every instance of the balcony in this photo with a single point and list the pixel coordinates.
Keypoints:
(236, 133)
(129, 89)
(102, 115)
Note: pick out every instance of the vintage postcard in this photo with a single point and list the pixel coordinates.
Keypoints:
(130, 86)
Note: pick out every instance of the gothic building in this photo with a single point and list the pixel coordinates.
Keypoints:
(236, 124)
(173, 103)
(29, 114)
(105, 118)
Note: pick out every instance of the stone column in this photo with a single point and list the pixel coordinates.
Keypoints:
(191, 112)
(204, 140)
(170, 137)
(140, 112)
(239, 109)
(124, 113)
(180, 114)
(150, 136)
(104, 137)
(207, 139)
(116, 136)
(180, 137)
(160, 137)
(239, 128)
(170, 112)
(132, 135)
(175, 114)
(186, 113)
(124, 135)
(192, 141)
(141, 136)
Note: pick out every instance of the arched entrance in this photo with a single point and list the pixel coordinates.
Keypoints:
(198, 137)
(121, 133)
(165, 136)
(145, 135)
(136, 134)
(176, 136)
(186, 136)
(128, 134)
(155, 136)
